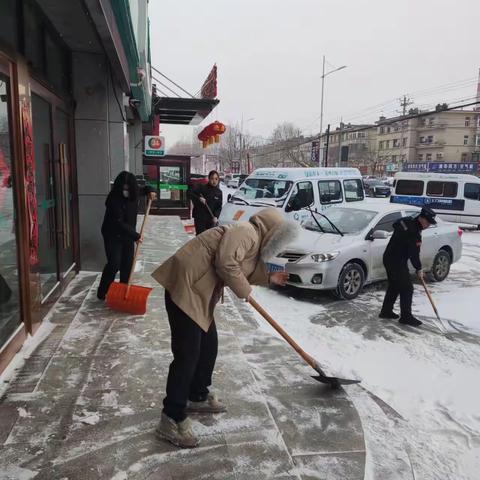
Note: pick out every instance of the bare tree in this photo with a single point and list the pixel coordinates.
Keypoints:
(287, 147)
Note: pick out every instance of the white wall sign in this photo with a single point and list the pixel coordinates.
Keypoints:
(154, 146)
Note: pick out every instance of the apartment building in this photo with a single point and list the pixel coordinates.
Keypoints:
(352, 145)
(443, 136)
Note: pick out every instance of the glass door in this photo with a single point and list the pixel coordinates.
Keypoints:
(10, 313)
(47, 266)
(64, 191)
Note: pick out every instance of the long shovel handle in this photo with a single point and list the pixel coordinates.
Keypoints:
(137, 248)
(440, 325)
(283, 333)
(427, 291)
(205, 204)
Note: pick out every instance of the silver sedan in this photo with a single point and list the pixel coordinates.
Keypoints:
(342, 249)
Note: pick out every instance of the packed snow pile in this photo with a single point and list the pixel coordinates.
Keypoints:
(430, 380)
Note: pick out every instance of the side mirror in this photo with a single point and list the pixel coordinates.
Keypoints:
(380, 235)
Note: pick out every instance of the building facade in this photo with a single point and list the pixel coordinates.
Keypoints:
(382, 149)
(443, 136)
(74, 92)
(351, 145)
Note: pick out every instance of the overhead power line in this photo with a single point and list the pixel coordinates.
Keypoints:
(362, 129)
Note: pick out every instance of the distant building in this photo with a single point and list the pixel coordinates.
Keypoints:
(382, 149)
(351, 145)
(444, 136)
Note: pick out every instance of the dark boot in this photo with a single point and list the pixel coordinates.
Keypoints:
(389, 315)
(411, 320)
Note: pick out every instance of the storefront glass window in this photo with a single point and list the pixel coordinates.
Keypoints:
(34, 39)
(10, 317)
(8, 22)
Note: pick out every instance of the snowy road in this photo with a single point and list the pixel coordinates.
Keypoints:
(431, 381)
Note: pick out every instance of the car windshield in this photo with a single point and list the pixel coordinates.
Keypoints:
(374, 183)
(349, 221)
(264, 190)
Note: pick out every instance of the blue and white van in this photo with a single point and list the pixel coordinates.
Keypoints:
(454, 197)
(284, 188)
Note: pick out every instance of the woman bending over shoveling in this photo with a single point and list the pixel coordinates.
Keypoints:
(193, 278)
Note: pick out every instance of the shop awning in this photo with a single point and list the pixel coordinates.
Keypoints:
(183, 111)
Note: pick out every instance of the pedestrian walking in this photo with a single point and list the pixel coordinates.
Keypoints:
(404, 245)
(207, 203)
(193, 278)
(119, 229)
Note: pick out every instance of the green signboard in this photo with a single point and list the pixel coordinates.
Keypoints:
(172, 186)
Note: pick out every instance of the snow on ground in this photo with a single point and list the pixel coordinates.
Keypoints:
(433, 382)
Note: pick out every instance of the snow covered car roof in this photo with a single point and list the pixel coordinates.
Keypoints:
(380, 207)
(294, 174)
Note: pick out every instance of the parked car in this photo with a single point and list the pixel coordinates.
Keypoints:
(291, 189)
(196, 179)
(344, 250)
(376, 188)
(454, 196)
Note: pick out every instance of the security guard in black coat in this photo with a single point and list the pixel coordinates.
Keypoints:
(207, 203)
(404, 245)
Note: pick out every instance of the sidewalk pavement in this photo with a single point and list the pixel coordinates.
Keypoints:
(86, 403)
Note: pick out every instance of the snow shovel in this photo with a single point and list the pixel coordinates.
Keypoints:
(322, 377)
(126, 297)
(439, 324)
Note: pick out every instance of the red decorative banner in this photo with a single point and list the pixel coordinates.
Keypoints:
(209, 88)
(30, 191)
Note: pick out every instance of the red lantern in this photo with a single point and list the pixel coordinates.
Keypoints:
(211, 133)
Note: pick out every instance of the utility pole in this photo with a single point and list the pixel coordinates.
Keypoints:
(326, 146)
(339, 159)
(404, 103)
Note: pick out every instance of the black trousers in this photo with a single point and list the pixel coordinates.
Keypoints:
(202, 224)
(194, 355)
(119, 257)
(399, 283)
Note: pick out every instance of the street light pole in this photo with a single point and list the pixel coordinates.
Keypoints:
(321, 104)
(321, 109)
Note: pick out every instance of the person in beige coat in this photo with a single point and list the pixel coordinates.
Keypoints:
(193, 278)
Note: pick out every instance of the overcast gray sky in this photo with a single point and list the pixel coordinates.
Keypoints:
(269, 56)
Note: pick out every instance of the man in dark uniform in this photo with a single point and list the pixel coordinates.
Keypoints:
(207, 203)
(403, 246)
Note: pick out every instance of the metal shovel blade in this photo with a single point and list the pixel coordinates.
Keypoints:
(334, 382)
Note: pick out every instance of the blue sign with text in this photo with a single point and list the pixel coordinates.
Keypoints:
(442, 167)
(435, 203)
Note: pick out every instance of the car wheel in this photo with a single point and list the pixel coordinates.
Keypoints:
(441, 266)
(350, 281)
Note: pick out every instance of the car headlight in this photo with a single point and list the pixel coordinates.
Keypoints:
(324, 257)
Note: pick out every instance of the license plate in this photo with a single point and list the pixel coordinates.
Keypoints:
(275, 268)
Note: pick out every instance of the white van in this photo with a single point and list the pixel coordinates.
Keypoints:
(455, 197)
(290, 188)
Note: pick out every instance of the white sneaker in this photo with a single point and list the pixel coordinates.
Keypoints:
(180, 434)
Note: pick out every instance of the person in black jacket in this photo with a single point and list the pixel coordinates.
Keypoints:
(207, 203)
(119, 229)
(403, 246)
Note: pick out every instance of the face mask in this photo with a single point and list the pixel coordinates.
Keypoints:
(126, 193)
